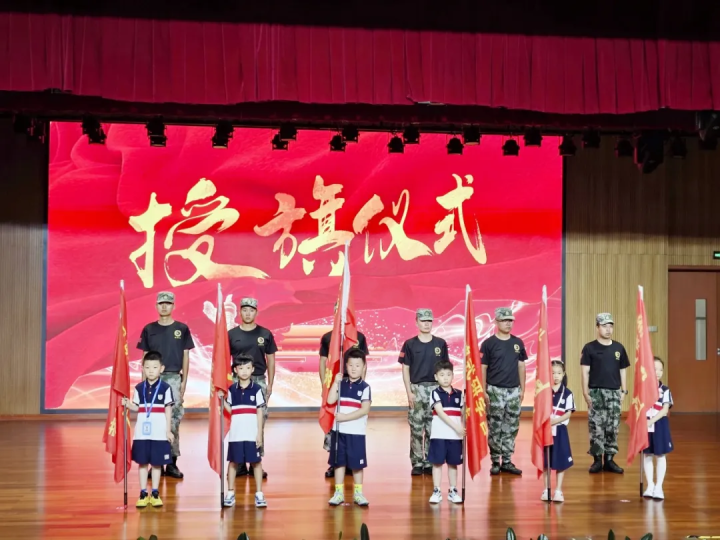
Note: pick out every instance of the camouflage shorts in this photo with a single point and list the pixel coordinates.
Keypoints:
(178, 411)
(604, 421)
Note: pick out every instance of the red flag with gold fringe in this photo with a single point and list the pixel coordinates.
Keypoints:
(542, 410)
(220, 379)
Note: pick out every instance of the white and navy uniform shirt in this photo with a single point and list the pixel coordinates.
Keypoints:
(245, 403)
(162, 393)
(452, 404)
(352, 395)
(664, 396)
(563, 401)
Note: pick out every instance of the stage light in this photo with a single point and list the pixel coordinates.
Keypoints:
(337, 144)
(533, 137)
(511, 148)
(94, 131)
(471, 135)
(708, 124)
(590, 139)
(454, 146)
(156, 132)
(350, 134)
(411, 135)
(287, 133)
(649, 151)
(223, 133)
(396, 146)
(278, 143)
(567, 146)
(709, 144)
(624, 148)
(677, 149)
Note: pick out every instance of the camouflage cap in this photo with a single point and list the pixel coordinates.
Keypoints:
(249, 302)
(604, 318)
(424, 314)
(165, 297)
(504, 314)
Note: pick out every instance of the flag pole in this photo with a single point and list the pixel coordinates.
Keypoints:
(125, 422)
(548, 472)
(642, 465)
(222, 453)
(464, 408)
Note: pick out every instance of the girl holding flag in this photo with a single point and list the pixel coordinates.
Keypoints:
(660, 442)
(560, 453)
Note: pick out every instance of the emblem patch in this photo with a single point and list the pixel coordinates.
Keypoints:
(359, 393)
(178, 334)
(252, 398)
(261, 341)
(437, 351)
(517, 348)
(617, 355)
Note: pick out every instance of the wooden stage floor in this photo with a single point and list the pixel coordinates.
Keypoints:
(56, 482)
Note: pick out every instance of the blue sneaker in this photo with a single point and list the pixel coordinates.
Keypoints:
(260, 501)
(229, 499)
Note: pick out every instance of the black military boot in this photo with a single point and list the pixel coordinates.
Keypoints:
(508, 467)
(597, 465)
(417, 471)
(611, 466)
(172, 470)
(330, 473)
(495, 469)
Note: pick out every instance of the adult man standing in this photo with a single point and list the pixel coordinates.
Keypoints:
(258, 342)
(418, 358)
(173, 340)
(604, 381)
(503, 366)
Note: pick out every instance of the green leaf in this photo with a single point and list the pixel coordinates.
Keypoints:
(648, 536)
(542, 537)
(364, 533)
(243, 536)
(510, 534)
(152, 537)
(611, 535)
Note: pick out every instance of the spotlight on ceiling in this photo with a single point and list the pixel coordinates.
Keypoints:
(278, 143)
(94, 131)
(350, 134)
(455, 146)
(411, 135)
(471, 135)
(287, 133)
(678, 148)
(649, 151)
(156, 132)
(396, 146)
(533, 137)
(567, 146)
(591, 139)
(223, 134)
(624, 148)
(337, 144)
(511, 148)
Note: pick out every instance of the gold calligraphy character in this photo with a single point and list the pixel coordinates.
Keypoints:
(451, 202)
(145, 223)
(407, 248)
(286, 215)
(112, 429)
(470, 369)
(480, 407)
(540, 386)
(369, 210)
(483, 426)
(476, 387)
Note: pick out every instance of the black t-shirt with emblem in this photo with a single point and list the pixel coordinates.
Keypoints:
(501, 356)
(422, 357)
(325, 344)
(170, 341)
(605, 363)
(257, 343)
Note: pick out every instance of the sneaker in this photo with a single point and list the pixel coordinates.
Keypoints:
(649, 491)
(508, 467)
(436, 496)
(544, 496)
(495, 469)
(251, 472)
(454, 496)
(611, 466)
(143, 501)
(173, 472)
(558, 496)
(155, 499)
(330, 472)
(242, 470)
(416, 471)
(360, 500)
(229, 499)
(337, 499)
(260, 501)
(658, 493)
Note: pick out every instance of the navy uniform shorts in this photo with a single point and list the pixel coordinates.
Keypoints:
(445, 451)
(243, 452)
(350, 451)
(155, 453)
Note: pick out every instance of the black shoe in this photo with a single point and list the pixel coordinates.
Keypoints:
(252, 471)
(348, 471)
(611, 466)
(427, 470)
(597, 465)
(173, 472)
(508, 467)
(495, 469)
(330, 473)
(416, 471)
(242, 470)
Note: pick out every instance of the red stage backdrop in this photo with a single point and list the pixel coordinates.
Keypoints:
(271, 225)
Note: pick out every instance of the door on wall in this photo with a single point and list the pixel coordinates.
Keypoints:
(693, 346)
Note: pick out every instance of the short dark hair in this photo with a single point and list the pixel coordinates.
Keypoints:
(658, 359)
(242, 359)
(354, 352)
(442, 365)
(152, 355)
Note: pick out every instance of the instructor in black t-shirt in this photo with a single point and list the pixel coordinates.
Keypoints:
(418, 358)
(503, 366)
(603, 363)
(172, 339)
(254, 340)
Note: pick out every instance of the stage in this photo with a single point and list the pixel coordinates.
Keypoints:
(56, 482)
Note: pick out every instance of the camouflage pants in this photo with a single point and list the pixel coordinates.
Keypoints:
(503, 421)
(262, 383)
(420, 420)
(604, 421)
(178, 411)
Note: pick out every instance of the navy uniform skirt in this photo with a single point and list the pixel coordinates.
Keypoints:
(560, 453)
(660, 440)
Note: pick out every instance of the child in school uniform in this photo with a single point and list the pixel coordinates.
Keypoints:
(245, 402)
(153, 401)
(447, 432)
(658, 436)
(347, 440)
(560, 452)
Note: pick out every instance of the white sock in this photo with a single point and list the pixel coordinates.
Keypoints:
(648, 466)
(662, 467)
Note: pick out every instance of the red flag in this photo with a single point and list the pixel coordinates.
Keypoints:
(220, 379)
(475, 413)
(542, 410)
(645, 388)
(113, 436)
(345, 331)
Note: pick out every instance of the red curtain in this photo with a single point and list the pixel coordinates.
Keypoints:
(215, 63)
